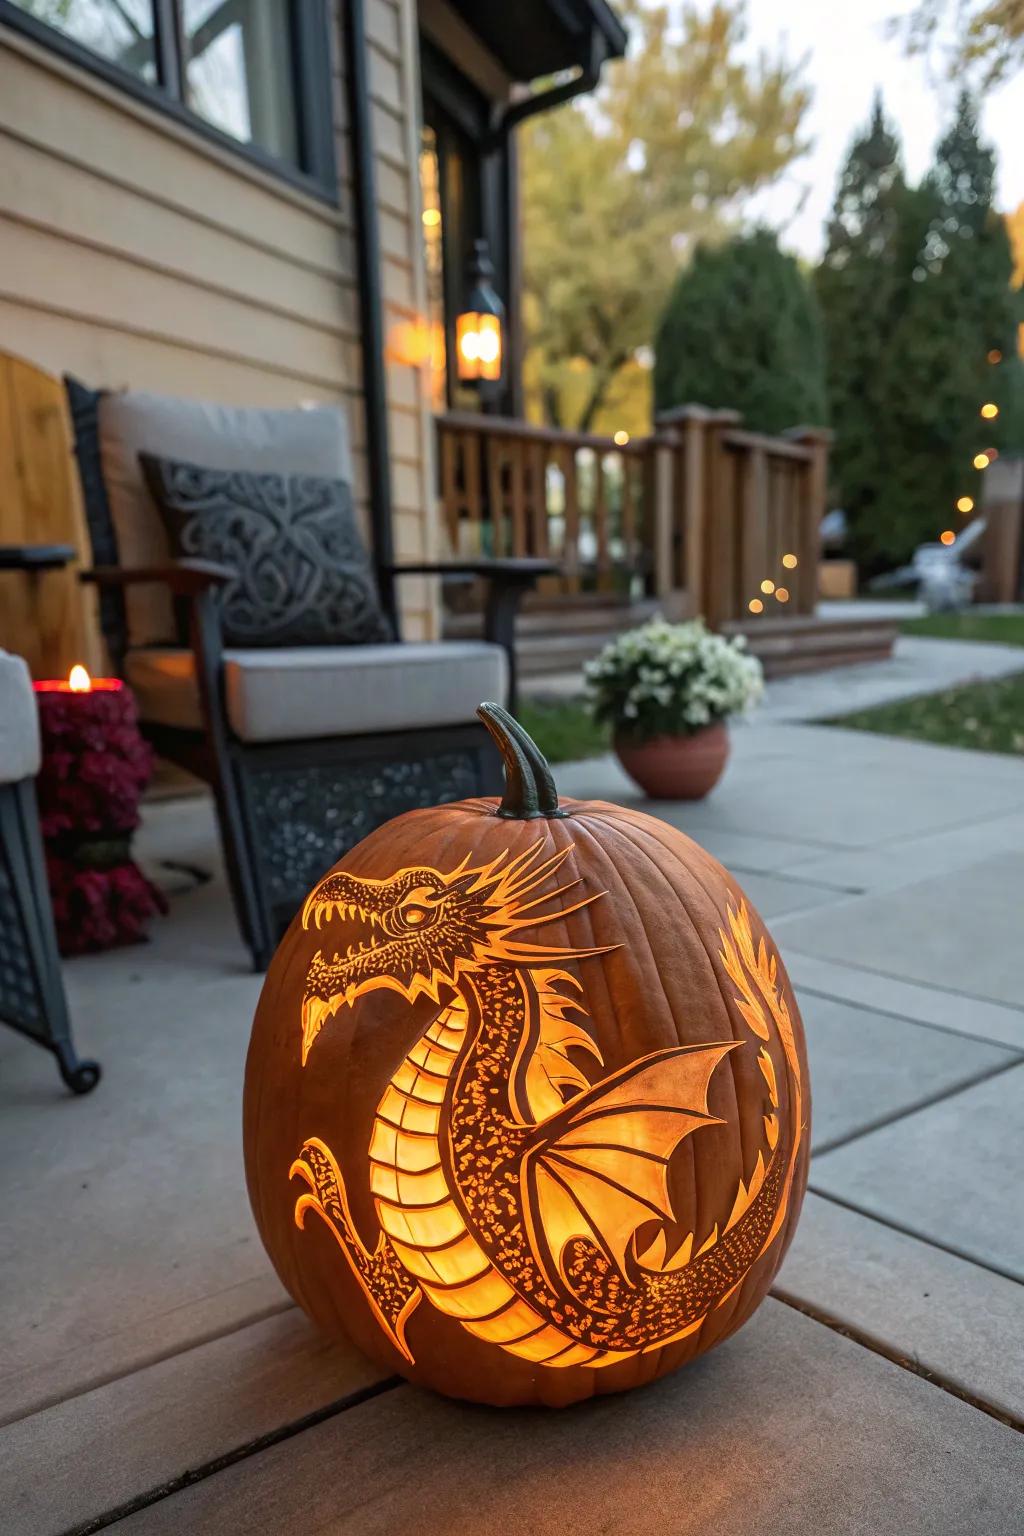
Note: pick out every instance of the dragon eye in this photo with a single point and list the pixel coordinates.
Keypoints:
(413, 915)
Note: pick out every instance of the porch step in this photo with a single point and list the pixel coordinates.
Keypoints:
(559, 634)
(811, 644)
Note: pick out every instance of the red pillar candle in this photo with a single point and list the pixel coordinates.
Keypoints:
(95, 766)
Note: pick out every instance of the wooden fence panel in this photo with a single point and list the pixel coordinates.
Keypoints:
(48, 618)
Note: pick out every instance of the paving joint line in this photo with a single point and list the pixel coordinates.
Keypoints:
(912, 1109)
(95, 1384)
(906, 981)
(905, 1018)
(791, 878)
(876, 1346)
(917, 1235)
(231, 1458)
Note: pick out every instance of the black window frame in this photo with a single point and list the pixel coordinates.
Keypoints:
(311, 53)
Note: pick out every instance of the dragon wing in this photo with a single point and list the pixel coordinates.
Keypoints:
(600, 1167)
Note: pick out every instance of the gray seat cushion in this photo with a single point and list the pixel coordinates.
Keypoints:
(288, 442)
(19, 721)
(292, 695)
(302, 574)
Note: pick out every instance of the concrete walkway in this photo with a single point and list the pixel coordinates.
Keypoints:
(156, 1378)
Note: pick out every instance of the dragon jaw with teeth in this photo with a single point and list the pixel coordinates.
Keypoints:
(509, 1188)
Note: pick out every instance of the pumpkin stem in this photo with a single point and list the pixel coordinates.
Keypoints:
(529, 787)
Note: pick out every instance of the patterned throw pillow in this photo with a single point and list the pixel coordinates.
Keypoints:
(304, 577)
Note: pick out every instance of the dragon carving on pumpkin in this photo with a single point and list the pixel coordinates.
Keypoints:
(509, 1188)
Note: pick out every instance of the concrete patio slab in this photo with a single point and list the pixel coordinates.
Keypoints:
(64, 1467)
(867, 1067)
(890, 995)
(949, 1173)
(130, 1204)
(963, 934)
(903, 861)
(788, 1428)
(144, 1338)
(916, 1302)
(827, 789)
(780, 895)
(749, 853)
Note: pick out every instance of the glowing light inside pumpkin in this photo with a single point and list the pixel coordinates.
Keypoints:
(79, 680)
(597, 1149)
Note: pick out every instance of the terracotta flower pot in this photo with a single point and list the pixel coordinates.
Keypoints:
(677, 767)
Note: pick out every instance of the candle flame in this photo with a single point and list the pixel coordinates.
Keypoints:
(79, 680)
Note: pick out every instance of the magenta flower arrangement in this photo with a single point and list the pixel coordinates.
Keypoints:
(95, 767)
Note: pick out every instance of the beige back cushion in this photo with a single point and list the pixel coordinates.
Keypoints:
(288, 442)
(19, 721)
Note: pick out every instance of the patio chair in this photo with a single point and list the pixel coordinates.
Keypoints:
(31, 989)
(308, 743)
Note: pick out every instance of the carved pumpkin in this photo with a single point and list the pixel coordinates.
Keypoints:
(526, 1104)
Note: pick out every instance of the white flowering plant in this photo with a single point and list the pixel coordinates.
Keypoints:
(671, 680)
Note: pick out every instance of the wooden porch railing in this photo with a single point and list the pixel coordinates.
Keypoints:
(510, 488)
(701, 507)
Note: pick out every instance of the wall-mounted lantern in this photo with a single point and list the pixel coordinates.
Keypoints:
(479, 327)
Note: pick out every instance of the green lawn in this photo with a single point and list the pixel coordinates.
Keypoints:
(1006, 628)
(986, 716)
(563, 729)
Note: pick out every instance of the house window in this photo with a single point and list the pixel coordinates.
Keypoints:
(256, 72)
(121, 31)
(240, 72)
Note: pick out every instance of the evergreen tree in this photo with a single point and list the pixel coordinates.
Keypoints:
(915, 289)
(742, 329)
(862, 284)
(960, 314)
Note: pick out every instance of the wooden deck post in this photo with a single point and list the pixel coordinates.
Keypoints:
(813, 505)
(665, 495)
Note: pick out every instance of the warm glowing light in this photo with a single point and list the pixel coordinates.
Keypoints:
(947, 537)
(981, 461)
(990, 410)
(621, 438)
(767, 586)
(431, 218)
(592, 1172)
(79, 680)
(755, 605)
(995, 356)
(790, 562)
(965, 504)
(781, 595)
(478, 340)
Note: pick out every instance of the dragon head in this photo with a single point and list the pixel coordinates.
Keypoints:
(420, 930)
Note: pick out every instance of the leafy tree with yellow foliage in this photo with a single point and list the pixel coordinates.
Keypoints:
(617, 189)
(989, 34)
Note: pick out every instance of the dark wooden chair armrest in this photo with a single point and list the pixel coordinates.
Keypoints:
(507, 580)
(35, 557)
(185, 578)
